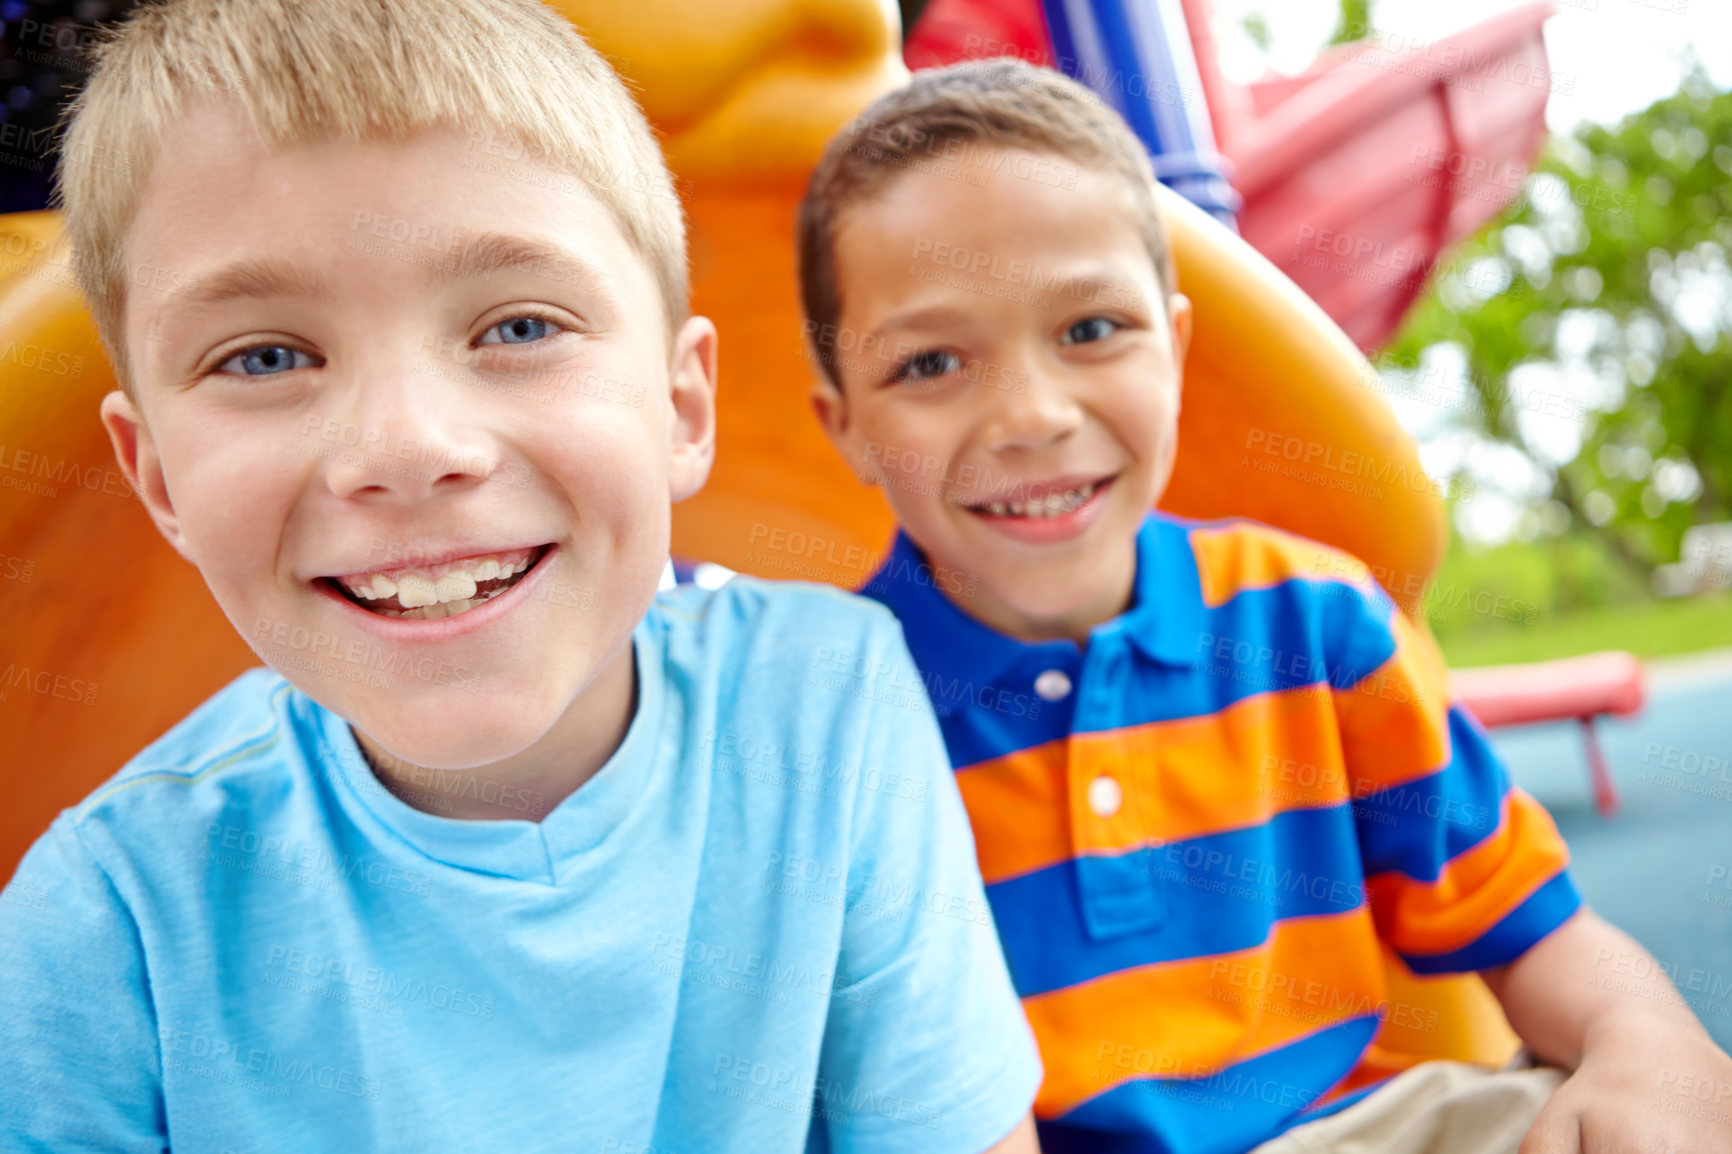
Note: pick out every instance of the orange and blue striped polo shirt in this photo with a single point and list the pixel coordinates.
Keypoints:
(1199, 831)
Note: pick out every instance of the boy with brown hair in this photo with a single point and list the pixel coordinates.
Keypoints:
(1199, 951)
(415, 399)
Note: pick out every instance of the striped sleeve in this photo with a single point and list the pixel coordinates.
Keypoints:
(1464, 872)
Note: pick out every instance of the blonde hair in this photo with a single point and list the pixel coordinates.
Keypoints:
(304, 70)
(999, 104)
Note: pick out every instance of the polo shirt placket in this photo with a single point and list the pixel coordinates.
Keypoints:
(1110, 769)
(1109, 776)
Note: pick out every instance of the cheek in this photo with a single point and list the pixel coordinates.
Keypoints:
(918, 444)
(1150, 419)
(612, 470)
(234, 504)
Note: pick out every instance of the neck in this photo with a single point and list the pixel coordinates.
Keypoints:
(1113, 596)
(528, 785)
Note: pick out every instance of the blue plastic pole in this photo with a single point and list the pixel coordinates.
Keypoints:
(1136, 55)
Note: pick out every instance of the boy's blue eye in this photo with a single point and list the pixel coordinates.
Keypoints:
(517, 331)
(266, 360)
(1089, 329)
(926, 365)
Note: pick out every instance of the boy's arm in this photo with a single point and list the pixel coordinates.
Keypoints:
(1467, 873)
(926, 1049)
(79, 1059)
(1647, 1076)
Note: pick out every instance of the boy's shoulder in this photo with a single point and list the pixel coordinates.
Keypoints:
(246, 724)
(1238, 552)
(1283, 572)
(768, 654)
(753, 615)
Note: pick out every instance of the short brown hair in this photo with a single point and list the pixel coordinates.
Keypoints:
(309, 69)
(1000, 104)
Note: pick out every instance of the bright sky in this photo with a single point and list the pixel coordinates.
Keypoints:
(1623, 55)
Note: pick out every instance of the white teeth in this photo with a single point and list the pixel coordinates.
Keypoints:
(1052, 505)
(374, 589)
(440, 609)
(445, 591)
(414, 592)
(454, 587)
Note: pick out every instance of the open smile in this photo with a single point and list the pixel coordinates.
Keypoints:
(447, 588)
(1049, 512)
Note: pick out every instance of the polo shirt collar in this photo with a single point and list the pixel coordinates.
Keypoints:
(1164, 621)
(1167, 617)
(943, 639)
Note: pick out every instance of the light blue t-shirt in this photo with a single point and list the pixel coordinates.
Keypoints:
(760, 927)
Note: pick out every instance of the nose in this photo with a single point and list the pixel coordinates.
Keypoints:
(395, 434)
(1039, 411)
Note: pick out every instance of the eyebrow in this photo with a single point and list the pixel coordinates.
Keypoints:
(493, 252)
(1086, 287)
(1093, 282)
(253, 278)
(926, 316)
(256, 278)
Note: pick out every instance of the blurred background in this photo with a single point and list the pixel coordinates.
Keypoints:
(1568, 361)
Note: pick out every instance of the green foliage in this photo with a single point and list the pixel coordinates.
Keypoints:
(1353, 22)
(1647, 629)
(1510, 593)
(1610, 266)
(1257, 28)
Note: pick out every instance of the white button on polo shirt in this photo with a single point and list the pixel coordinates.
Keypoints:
(1105, 796)
(1053, 685)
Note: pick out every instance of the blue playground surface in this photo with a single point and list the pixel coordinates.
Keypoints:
(1662, 868)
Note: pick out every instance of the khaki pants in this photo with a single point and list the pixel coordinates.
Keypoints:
(1434, 1108)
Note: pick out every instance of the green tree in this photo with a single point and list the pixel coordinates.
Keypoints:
(1352, 21)
(1602, 298)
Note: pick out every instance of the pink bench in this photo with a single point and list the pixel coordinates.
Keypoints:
(1580, 687)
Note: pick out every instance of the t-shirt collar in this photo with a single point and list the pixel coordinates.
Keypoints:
(517, 848)
(1164, 621)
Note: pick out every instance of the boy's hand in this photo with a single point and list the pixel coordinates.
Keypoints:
(1648, 1079)
(1643, 1086)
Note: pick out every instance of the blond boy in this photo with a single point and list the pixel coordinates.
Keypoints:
(506, 851)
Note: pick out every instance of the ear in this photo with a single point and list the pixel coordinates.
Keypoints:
(135, 452)
(1179, 322)
(830, 406)
(692, 387)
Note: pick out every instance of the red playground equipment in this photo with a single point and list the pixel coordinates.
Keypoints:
(1356, 174)
(1580, 687)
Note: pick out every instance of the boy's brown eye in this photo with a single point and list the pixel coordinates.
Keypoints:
(925, 365)
(1089, 329)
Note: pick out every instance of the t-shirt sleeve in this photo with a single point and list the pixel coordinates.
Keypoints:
(1464, 871)
(926, 1048)
(79, 1058)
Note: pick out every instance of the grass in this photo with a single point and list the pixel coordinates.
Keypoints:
(1647, 629)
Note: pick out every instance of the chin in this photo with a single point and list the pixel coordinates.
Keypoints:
(457, 743)
(1059, 601)
(451, 728)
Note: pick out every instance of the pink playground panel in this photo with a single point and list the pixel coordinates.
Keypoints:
(1360, 171)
